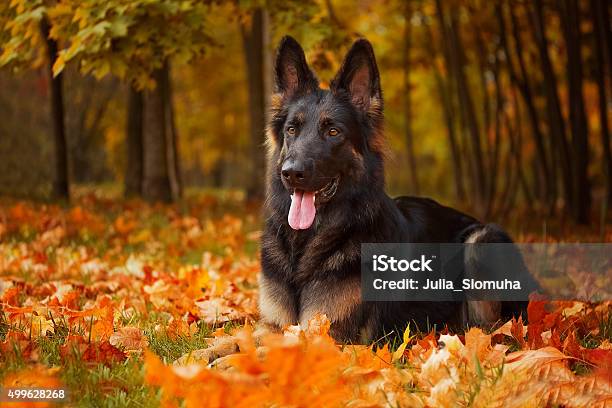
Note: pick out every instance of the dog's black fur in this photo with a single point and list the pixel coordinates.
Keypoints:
(333, 140)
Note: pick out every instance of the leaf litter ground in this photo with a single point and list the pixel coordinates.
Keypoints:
(118, 300)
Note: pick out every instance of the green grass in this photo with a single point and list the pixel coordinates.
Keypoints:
(120, 385)
(99, 385)
(170, 349)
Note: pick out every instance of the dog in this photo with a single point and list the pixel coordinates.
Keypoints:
(325, 197)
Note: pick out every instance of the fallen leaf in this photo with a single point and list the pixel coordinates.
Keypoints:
(129, 338)
(103, 353)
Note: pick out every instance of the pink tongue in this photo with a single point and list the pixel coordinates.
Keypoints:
(302, 211)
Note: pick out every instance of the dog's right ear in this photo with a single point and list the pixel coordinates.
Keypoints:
(293, 76)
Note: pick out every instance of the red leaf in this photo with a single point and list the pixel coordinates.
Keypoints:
(555, 339)
(428, 341)
(534, 335)
(536, 311)
(103, 352)
(571, 347)
(551, 319)
(10, 296)
(599, 357)
(517, 331)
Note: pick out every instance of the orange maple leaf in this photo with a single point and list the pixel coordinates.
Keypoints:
(477, 343)
(130, 338)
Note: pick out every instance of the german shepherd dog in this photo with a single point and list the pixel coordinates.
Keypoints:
(325, 196)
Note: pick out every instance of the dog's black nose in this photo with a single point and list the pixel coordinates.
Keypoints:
(295, 173)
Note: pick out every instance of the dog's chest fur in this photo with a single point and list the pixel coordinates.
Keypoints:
(318, 270)
(312, 277)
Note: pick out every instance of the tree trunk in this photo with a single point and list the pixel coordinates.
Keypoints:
(160, 177)
(515, 128)
(414, 177)
(172, 150)
(134, 144)
(458, 60)
(599, 17)
(253, 42)
(517, 148)
(542, 174)
(570, 23)
(447, 109)
(77, 137)
(61, 187)
(555, 118)
(491, 147)
(495, 150)
(484, 64)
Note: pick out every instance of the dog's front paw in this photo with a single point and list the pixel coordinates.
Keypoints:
(219, 347)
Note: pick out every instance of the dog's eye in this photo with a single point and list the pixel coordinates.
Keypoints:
(333, 132)
(291, 130)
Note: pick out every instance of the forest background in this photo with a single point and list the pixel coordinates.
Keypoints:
(132, 176)
(499, 107)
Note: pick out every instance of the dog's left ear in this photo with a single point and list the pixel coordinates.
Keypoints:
(358, 75)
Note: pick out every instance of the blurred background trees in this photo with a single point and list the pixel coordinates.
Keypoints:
(491, 105)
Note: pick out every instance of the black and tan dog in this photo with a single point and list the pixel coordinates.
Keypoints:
(326, 196)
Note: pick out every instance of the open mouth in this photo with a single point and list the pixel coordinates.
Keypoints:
(327, 191)
(302, 211)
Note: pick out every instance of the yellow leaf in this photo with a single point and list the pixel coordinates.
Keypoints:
(397, 354)
(59, 65)
(40, 326)
(407, 334)
(143, 235)
(59, 10)
(400, 350)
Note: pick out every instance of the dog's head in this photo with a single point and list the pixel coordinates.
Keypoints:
(324, 143)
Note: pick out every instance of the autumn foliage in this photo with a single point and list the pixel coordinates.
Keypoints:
(104, 281)
(501, 108)
(306, 368)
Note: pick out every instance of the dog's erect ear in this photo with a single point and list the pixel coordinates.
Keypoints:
(292, 73)
(359, 76)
